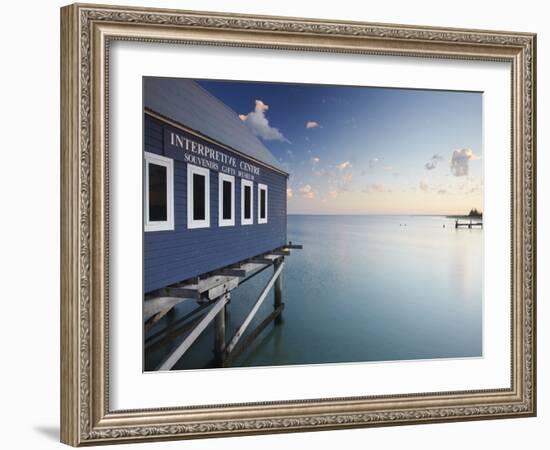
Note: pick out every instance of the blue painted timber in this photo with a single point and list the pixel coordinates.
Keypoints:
(173, 256)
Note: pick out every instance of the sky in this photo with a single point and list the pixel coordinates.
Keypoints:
(367, 150)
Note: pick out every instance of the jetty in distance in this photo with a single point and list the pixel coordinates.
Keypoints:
(473, 219)
(469, 224)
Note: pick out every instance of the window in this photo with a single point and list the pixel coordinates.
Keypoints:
(198, 197)
(247, 202)
(262, 203)
(159, 193)
(226, 200)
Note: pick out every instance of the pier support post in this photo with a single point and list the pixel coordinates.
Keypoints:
(219, 336)
(278, 290)
(227, 304)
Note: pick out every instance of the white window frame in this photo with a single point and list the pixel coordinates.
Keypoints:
(231, 179)
(192, 223)
(251, 184)
(262, 187)
(159, 225)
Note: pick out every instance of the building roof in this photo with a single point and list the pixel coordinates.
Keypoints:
(188, 104)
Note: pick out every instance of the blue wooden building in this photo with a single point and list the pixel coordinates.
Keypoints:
(214, 195)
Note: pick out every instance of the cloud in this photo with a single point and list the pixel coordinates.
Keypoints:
(343, 185)
(423, 186)
(333, 194)
(257, 122)
(344, 165)
(376, 188)
(433, 162)
(289, 193)
(341, 176)
(460, 161)
(321, 172)
(307, 191)
(347, 177)
(312, 124)
(315, 160)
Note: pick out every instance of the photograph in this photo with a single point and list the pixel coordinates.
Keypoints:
(290, 223)
(294, 224)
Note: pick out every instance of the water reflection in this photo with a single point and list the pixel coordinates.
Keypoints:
(364, 288)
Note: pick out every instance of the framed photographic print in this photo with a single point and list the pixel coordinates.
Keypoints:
(275, 224)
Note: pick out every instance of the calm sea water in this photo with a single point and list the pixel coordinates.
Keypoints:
(364, 288)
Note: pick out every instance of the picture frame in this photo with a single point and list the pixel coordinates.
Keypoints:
(87, 32)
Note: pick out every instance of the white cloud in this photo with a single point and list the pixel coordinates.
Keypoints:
(259, 125)
(307, 191)
(312, 124)
(315, 160)
(433, 162)
(289, 193)
(460, 161)
(344, 165)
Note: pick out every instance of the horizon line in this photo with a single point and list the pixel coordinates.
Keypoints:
(377, 214)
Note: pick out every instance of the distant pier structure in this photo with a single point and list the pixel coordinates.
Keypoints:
(215, 207)
(469, 223)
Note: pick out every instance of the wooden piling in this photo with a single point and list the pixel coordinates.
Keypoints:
(278, 291)
(212, 292)
(240, 331)
(219, 335)
(245, 343)
(174, 357)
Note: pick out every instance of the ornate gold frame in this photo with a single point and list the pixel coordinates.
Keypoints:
(86, 31)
